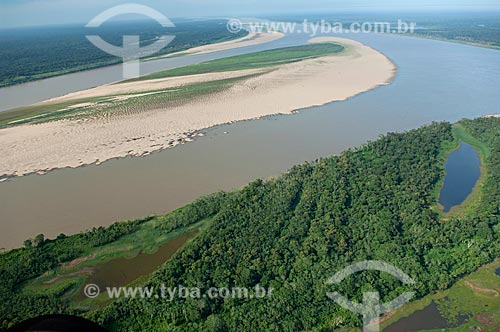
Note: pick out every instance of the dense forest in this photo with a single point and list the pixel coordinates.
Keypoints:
(294, 232)
(33, 53)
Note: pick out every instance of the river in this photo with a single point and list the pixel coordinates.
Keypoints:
(435, 81)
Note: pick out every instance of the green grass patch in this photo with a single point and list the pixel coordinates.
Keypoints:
(39, 113)
(461, 132)
(251, 61)
(482, 305)
(171, 97)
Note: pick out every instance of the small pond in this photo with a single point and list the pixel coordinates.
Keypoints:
(463, 170)
(122, 271)
(427, 319)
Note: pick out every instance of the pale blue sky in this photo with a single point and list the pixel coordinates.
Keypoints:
(42, 12)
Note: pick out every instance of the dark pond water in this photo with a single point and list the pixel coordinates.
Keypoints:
(497, 272)
(426, 319)
(463, 169)
(122, 271)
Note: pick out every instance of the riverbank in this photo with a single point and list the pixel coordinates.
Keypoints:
(253, 38)
(280, 89)
(452, 40)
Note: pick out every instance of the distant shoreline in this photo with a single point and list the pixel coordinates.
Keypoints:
(451, 40)
(111, 62)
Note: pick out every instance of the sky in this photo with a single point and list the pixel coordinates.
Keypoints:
(15, 13)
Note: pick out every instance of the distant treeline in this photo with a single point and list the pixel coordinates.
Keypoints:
(27, 54)
(476, 28)
(473, 27)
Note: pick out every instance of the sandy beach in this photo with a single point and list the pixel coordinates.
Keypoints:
(39, 148)
(253, 38)
(149, 85)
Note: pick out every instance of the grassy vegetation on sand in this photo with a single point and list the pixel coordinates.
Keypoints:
(113, 104)
(252, 60)
(170, 97)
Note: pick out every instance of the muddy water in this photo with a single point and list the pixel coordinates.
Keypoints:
(426, 319)
(122, 271)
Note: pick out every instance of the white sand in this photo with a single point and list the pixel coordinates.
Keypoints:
(249, 40)
(150, 85)
(39, 148)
